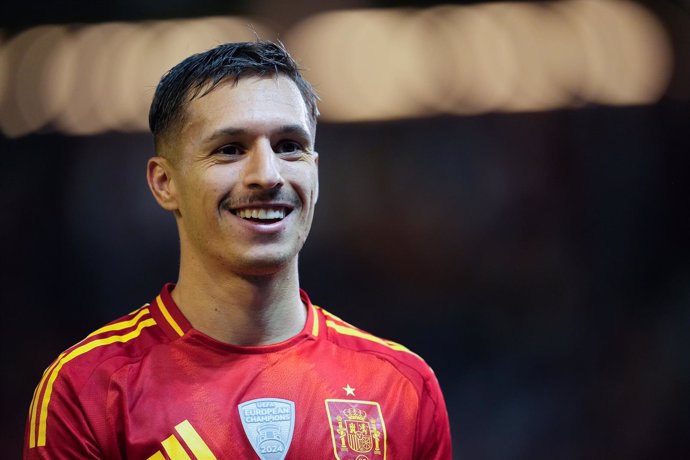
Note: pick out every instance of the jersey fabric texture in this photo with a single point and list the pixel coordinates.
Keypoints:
(150, 386)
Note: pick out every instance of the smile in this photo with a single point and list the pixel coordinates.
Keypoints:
(264, 215)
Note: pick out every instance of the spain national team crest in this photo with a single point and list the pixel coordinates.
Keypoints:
(268, 424)
(357, 429)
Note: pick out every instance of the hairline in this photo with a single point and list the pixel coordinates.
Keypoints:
(207, 86)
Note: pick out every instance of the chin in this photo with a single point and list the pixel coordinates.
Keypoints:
(264, 266)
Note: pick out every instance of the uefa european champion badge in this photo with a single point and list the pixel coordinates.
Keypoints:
(268, 424)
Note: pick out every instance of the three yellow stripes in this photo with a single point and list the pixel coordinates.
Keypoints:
(174, 449)
(348, 329)
(38, 437)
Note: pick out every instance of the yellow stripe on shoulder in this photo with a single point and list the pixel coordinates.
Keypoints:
(315, 314)
(337, 318)
(37, 394)
(136, 310)
(122, 324)
(67, 357)
(353, 332)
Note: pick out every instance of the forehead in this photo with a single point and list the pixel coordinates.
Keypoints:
(253, 104)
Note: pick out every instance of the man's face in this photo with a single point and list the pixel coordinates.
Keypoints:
(245, 179)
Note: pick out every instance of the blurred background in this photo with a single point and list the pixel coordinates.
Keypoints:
(504, 189)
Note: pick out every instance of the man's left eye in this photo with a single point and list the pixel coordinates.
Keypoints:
(288, 147)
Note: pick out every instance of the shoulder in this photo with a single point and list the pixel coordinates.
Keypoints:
(128, 337)
(96, 357)
(109, 347)
(404, 360)
(432, 437)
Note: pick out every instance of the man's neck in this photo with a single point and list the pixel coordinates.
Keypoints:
(242, 310)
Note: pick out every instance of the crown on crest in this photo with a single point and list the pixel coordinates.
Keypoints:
(355, 414)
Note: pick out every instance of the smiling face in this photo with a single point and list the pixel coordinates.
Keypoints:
(241, 178)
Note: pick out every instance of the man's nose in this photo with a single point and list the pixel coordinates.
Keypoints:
(262, 168)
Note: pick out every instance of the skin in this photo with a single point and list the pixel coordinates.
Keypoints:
(248, 145)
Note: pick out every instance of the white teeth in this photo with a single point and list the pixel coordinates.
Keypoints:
(261, 213)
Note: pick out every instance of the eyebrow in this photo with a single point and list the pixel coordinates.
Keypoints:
(285, 129)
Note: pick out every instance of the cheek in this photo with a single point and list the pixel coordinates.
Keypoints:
(203, 196)
(312, 190)
(303, 176)
(315, 197)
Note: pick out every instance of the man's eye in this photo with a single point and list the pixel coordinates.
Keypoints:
(288, 147)
(230, 149)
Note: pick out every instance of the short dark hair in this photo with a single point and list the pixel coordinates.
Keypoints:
(200, 73)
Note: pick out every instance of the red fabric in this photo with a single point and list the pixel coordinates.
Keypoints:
(119, 394)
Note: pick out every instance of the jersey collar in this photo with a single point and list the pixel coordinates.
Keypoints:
(175, 324)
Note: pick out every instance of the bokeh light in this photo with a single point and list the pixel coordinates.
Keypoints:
(25, 107)
(387, 64)
(366, 64)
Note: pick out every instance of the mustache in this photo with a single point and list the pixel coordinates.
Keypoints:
(260, 197)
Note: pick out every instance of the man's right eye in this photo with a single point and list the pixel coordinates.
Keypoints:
(230, 150)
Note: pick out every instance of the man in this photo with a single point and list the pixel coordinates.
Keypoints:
(234, 361)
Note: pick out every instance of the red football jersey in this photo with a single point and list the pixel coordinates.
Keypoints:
(149, 386)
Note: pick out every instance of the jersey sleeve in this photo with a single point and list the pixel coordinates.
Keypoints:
(57, 426)
(433, 428)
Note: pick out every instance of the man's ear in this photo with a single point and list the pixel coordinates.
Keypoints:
(161, 182)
